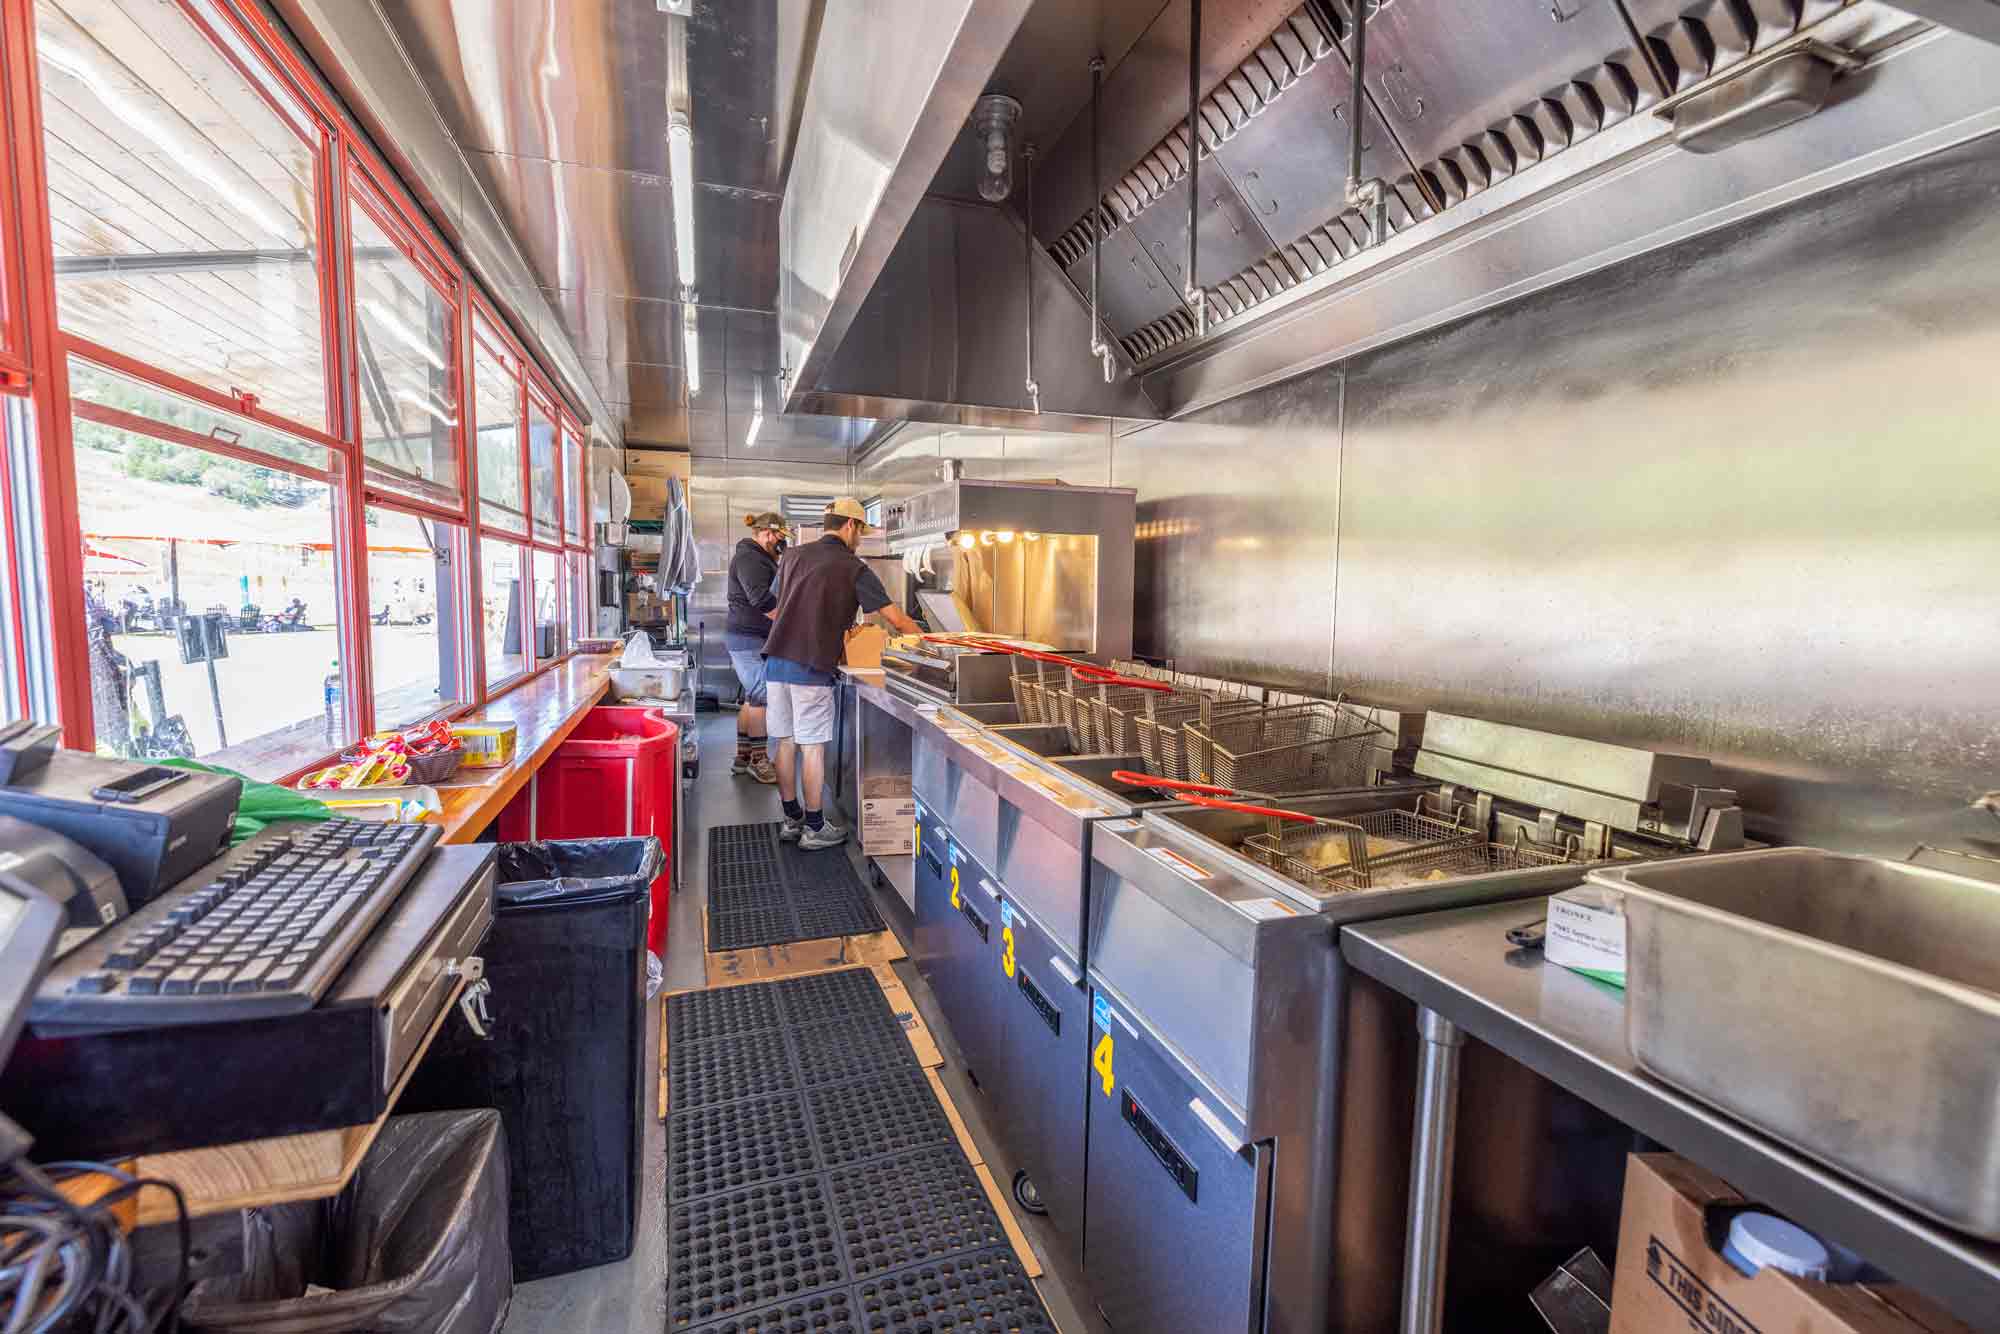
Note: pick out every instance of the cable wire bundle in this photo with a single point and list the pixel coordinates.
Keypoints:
(68, 1267)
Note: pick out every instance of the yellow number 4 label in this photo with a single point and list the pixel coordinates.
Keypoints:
(954, 887)
(1007, 954)
(1100, 1061)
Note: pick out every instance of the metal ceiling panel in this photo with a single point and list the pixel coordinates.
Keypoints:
(1472, 83)
(752, 341)
(1134, 291)
(1976, 18)
(532, 79)
(1290, 164)
(1230, 235)
(656, 411)
(620, 328)
(584, 226)
(736, 247)
(732, 89)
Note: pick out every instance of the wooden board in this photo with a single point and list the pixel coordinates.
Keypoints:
(545, 709)
(957, 1122)
(768, 963)
(280, 1170)
(1002, 1202)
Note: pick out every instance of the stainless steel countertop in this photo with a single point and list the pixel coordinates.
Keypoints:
(1571, 1030)
(871, 684)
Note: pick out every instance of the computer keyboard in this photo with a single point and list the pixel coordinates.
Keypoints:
(261, 931)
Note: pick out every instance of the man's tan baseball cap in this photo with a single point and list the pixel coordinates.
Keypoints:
(847, 507)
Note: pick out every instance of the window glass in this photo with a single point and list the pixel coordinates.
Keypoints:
(107, 399)
(498, 417)
(185, 548)
(551, 605)
(27, 603)
(580, 617)
(542, 455)
(405, 345)
(413, 615)
(576, 493)
(182, 203)
(500, 574)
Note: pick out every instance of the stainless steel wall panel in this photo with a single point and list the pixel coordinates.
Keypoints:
(1237, 520)
(1732, 499)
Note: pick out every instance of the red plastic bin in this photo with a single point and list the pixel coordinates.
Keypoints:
(614, 776)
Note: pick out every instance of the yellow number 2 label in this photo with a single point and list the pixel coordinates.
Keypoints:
(1100, 1061)
(954, 887)
(1007, 953)
(917, 838)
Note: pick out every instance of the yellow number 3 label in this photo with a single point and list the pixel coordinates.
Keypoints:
(1100, 1061)
(954, 887)
(1007, 954)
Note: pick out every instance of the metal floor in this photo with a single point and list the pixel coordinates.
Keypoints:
(631, 1297)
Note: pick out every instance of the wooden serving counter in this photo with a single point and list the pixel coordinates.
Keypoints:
(546, 709)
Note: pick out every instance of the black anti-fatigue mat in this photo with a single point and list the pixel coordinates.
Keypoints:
(814, 1184)
(764, 891)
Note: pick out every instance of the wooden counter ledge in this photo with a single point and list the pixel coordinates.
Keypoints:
(546, 710)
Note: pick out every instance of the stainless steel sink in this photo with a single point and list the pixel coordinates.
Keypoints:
(1845, 1005)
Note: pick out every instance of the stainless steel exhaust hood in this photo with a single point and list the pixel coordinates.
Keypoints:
(1521, 143)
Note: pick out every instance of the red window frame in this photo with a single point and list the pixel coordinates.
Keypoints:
(246, 44)
(348, 175)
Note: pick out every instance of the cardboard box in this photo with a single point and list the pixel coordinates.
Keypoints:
(864, 646)
(889, 825)
(1670, 1279)
(487, 745)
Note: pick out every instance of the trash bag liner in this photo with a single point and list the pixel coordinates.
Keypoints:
(416, 1242)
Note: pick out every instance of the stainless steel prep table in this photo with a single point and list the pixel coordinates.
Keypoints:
(1458, 968)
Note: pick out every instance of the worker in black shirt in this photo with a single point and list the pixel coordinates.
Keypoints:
(753, 600)
(821, 585)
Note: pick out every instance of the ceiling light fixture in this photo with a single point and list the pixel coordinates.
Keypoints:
(691, 347)
(680, 175)
(756, 417)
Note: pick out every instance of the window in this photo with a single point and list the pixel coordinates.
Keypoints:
(497, 414)
(406, 352)
(551, 606)
(576, 489)
(182, 200)
(194, 516)
(413, 614)
(543, 486)
(501, 572)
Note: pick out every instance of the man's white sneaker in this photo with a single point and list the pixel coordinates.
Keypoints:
(789, 830)
(828, 835)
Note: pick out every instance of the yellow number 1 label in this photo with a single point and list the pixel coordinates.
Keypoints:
(1100, 1061)
(1007, 954)
(954, 887)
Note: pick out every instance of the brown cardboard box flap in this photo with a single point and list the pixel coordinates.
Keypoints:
(1669, 1279)
(864, 646)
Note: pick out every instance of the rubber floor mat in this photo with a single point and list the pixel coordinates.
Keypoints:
(985, 1292)
(763, 891)
(827, 1194)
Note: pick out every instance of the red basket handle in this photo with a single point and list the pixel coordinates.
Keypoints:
(1296, 817)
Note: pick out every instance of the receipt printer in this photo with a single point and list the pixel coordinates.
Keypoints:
(152, 824)
(35, 861)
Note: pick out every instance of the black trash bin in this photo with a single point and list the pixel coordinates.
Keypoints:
(567, 960)
(415, 1242)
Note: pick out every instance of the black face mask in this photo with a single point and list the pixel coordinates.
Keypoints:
(779, 550)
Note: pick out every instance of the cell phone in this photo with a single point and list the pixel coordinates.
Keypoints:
(139, 784)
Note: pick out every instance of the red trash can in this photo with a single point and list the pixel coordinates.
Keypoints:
(614, 776)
